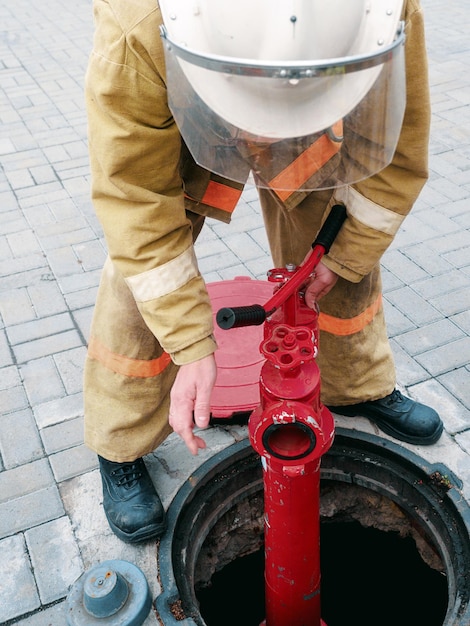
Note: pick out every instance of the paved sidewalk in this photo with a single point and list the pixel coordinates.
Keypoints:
(52, 526)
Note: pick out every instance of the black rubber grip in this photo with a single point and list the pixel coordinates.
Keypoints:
(331, 227)
(237, 316)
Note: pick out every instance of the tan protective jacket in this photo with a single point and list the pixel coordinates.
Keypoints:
(140, 177)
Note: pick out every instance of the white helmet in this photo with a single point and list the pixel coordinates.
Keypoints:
(267, 71)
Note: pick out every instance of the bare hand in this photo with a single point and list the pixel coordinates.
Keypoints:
(322, 281)
(190, 396)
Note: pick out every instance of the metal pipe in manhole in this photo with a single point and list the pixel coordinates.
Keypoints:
(395, 540)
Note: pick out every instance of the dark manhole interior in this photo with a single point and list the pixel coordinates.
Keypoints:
(395, 545)
(368, 578)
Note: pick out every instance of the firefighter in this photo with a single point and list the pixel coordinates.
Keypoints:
(322, 105)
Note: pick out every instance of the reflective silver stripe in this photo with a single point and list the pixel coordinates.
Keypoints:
(164, 279)
(367, 212)
(285, 69)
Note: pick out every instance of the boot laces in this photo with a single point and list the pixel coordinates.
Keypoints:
(394, 397)
(127, 475)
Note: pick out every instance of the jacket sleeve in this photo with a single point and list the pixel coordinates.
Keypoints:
(377, 206)
(137, 190)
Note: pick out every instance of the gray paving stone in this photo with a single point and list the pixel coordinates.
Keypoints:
(38, 348)
(428, 337)
(13, 268)
(31, 448)
(55, 558)
(459, 258)
(64, 232)
(46, 297)
(23, 279)
(258, 268)
(397, 263)
(81, 299)
(433, 265)
(5, 251)
(23, 243)
(7, 201)
(20, 179)
(435, 393)
(53, 616)
(30, 510)
(446, 244)
(42, 380)
(63, 261)
(6, 357)
(52, 193)
(28, 497)
(91, 254)
(72, 462)
(36, 192)
(417, 309)
(397, 322)
(12, 223)
(221, 261)
(83, 318)
(244, 246)
(17, 584)
(390, 282)
(70, 365)
(58, 410)
(409, 371)
(463, 321)
(458, 383)
(442, 284)
(446, 358)
(62, 436)
(44, 327)
(66, 209)
(13, 399)
(37, 215)
(448, 305)
(25, 479)
(413, 230)
(79, 282)
(15, 306)
(209, 247)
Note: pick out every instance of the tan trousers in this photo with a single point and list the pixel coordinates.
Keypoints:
(126, 389)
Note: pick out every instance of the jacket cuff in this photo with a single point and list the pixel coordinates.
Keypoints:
(341, 270)
(364, 236)
(196, 351)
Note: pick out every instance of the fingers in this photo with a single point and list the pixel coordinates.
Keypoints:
(193, 442)
(202, 414)
(321, 283)
(314, 292)
(190, 401)
(182, 422)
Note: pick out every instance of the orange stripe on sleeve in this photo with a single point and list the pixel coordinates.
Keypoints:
(137, 368)
(221, 196)
(343, 327)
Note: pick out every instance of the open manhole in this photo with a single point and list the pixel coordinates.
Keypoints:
(394, 540)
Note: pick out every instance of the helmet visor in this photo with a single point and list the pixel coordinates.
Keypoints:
(301, 126)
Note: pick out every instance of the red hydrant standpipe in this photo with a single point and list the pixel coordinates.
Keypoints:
(291, 430)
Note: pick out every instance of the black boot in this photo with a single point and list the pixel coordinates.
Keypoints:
(399, 417)
(132, 506)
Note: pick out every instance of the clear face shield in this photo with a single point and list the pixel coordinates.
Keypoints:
(295, 125)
